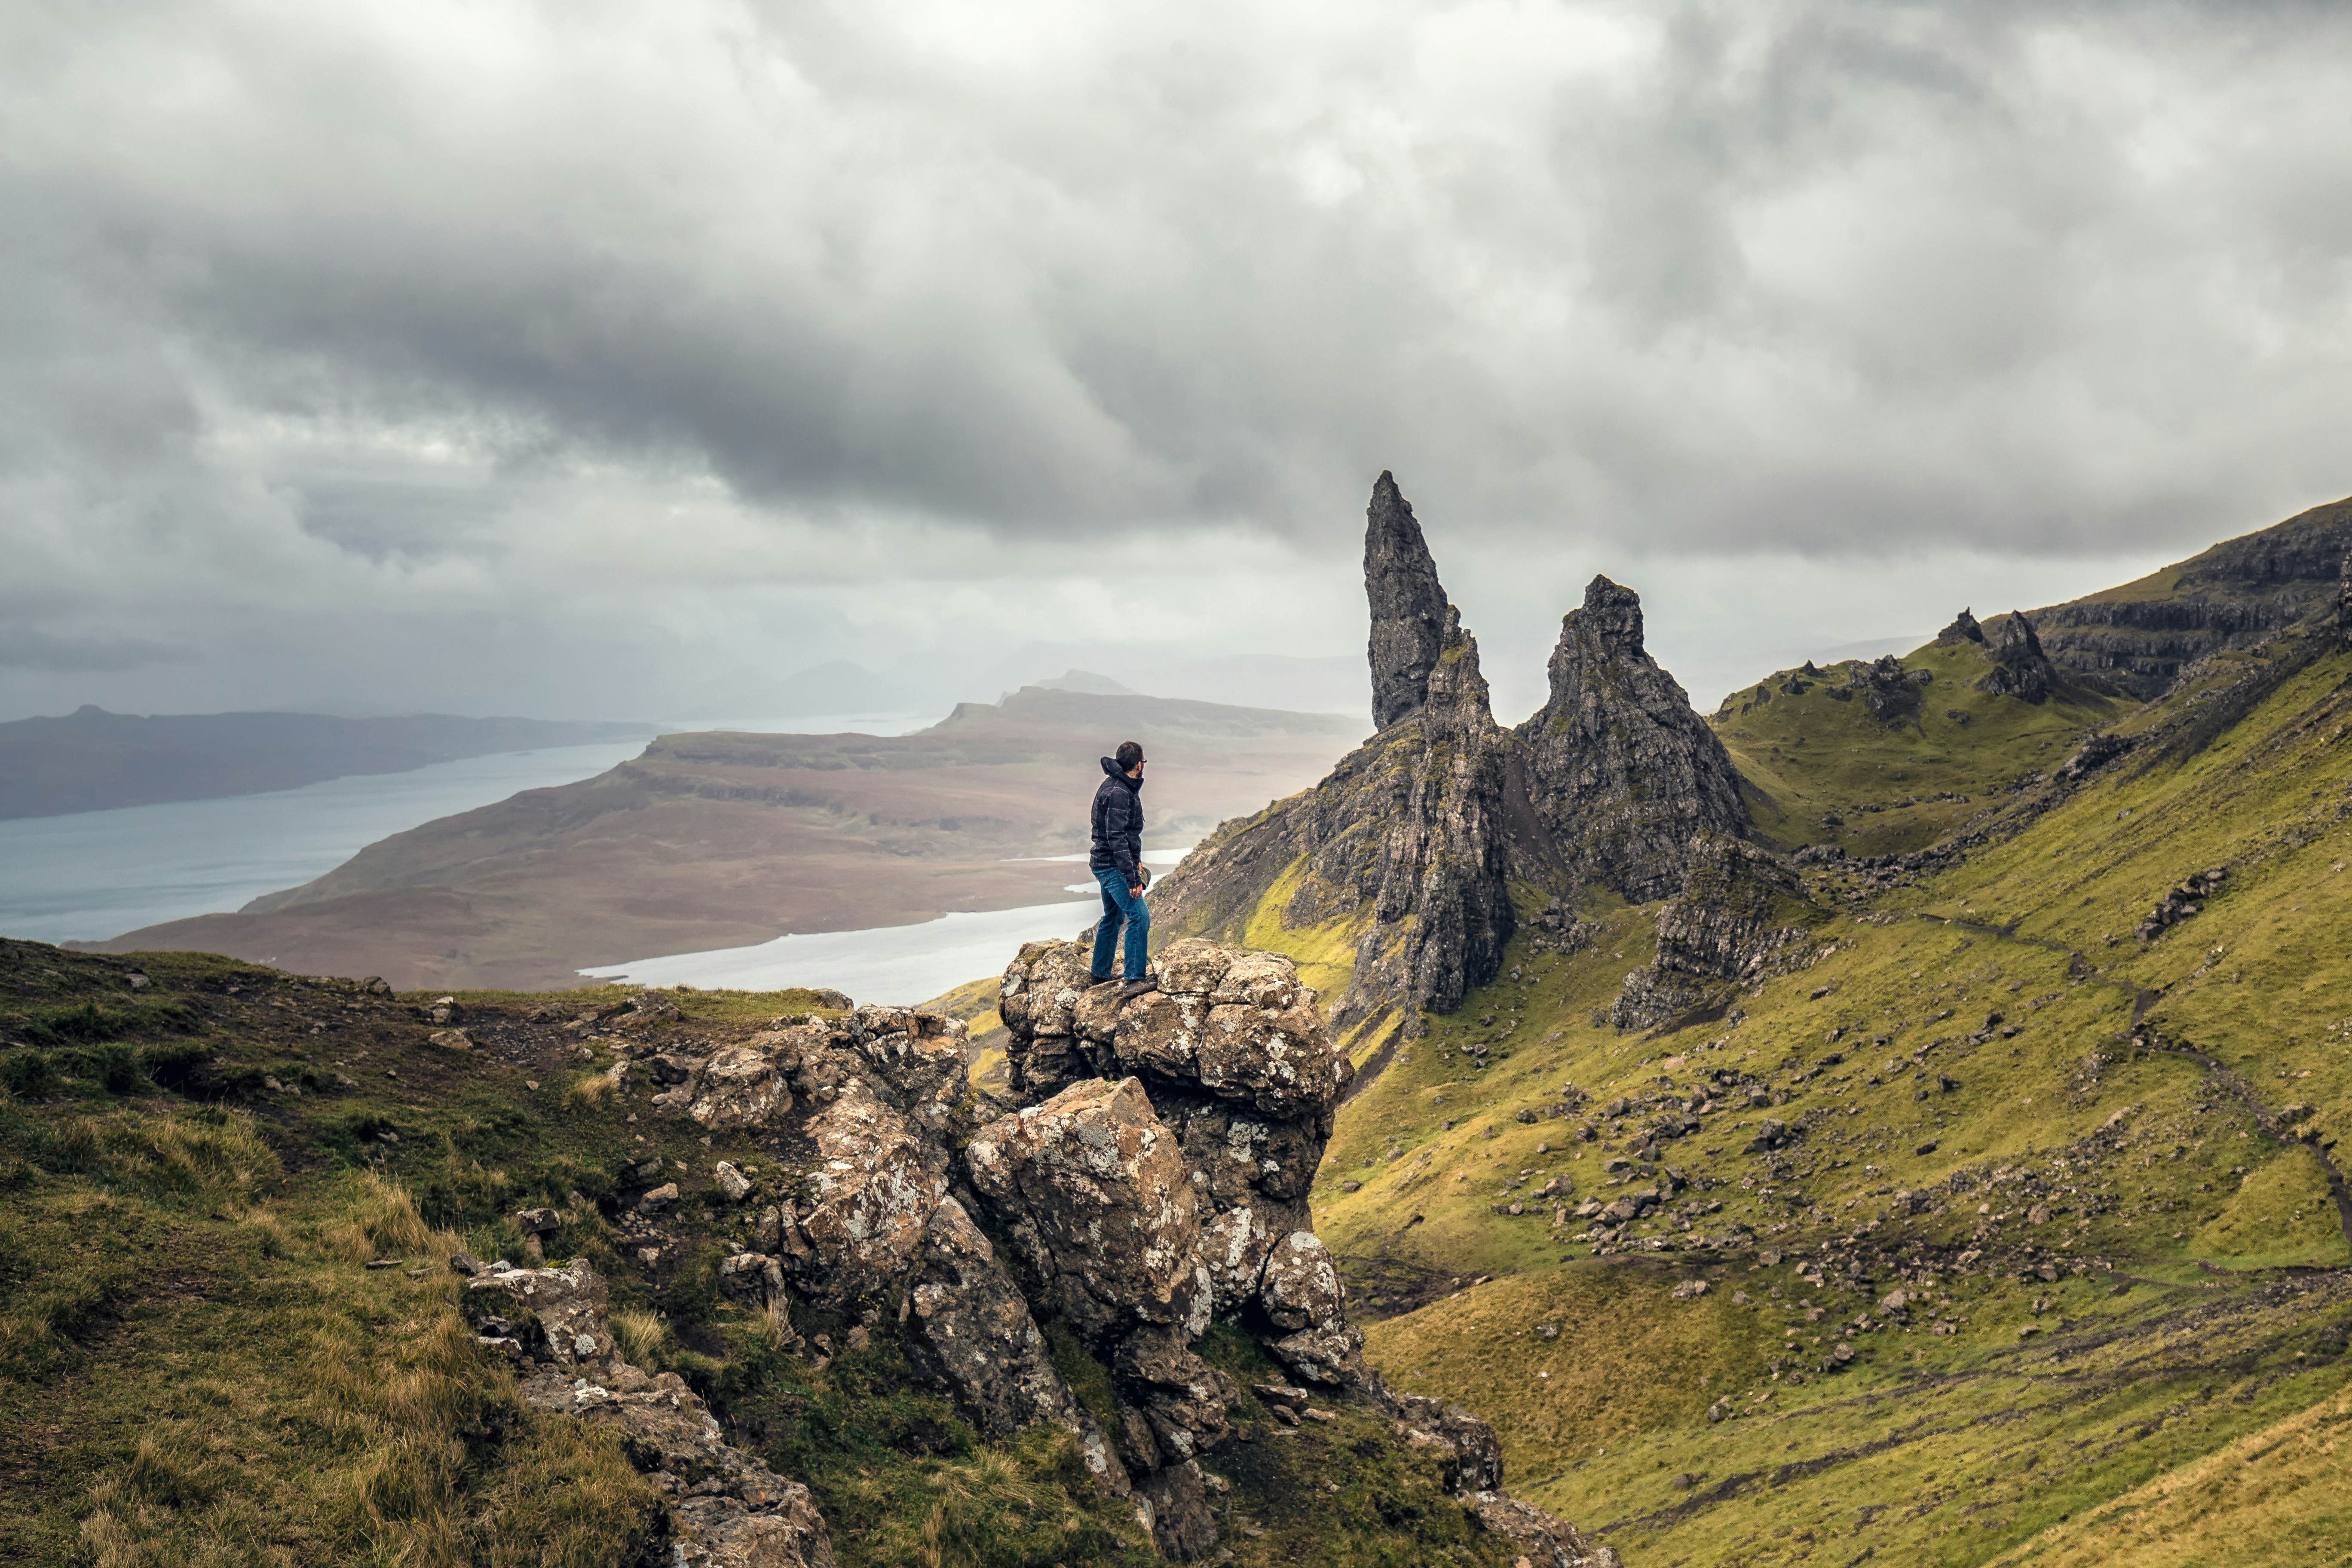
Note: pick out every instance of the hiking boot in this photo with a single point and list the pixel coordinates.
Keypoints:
(1134, 988)
(1093, 979)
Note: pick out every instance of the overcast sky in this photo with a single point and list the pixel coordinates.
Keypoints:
(506, 358)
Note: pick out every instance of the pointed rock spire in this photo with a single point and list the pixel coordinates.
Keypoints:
(1622, 774)
(2019, 670)
(1408, 603)
(1964, 628)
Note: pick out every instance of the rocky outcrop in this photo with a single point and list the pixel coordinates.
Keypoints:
(1622, 773)
(1093, 1192)
(727, 1510)
(1886, 689)
(1409, 608)
(974, 1332)
(2020, 668)
(1407, 837)
(1413, 843)
(1964, 628)
(1742, 918)
(1247, 1088)
(1142, 1204)
(860, 1213)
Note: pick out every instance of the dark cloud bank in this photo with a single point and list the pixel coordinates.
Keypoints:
(553, 360)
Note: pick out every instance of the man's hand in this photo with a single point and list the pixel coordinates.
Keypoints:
(1135, 892)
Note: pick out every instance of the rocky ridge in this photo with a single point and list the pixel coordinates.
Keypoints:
(2141, 637)
(1152, 1181)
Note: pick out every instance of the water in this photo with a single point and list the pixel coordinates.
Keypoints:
(96, 874)
(891, 964)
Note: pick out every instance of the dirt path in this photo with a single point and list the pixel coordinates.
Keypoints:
(2141, 1034)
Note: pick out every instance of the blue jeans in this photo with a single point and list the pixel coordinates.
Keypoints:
(1118, 905)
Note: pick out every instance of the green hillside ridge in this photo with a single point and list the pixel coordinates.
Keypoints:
(1823, 769)
(1971, 1041)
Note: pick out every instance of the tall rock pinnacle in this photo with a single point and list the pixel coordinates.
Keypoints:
(1408, 603)
(1622, 774)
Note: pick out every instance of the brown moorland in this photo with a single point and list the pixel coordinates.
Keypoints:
(727, 839)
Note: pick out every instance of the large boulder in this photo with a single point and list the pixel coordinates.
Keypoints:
(738, 1086)
(920, 1054)
(861, 1212)
(1301, 1288)
(1046, 991)
(1093, 1192)
(1236, 1025)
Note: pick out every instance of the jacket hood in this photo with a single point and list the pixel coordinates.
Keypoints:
(1114, 771)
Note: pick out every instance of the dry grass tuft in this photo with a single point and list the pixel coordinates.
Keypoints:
(642, 1336)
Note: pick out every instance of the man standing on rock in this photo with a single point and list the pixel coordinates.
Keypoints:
(1116, 857)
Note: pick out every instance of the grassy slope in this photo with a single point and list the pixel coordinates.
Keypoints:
(197, 1365)
(1811, 755)
(2213, 1303)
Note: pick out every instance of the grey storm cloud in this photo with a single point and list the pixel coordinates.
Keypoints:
(24, 648)
(448, 314)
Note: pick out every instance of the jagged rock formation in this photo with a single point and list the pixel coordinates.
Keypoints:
(2141, 636)
(1409, 833)
(727, 1509)
(1142, 1203)
(1890, 691)
(2020, 668)
(1742, 917)
(1154, 1179)
(1409, 630)
(1622, 772)
(1964, 628)
(1413, 841)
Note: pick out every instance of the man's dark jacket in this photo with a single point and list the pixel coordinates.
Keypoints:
(1119, 823)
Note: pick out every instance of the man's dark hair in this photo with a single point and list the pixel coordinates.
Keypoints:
(1128, 756)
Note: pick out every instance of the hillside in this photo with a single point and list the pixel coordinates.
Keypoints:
(91, 760)
(294, 1270)
(1958, 1190)
(723, 840)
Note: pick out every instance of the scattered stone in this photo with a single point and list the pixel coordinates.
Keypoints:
(728, 1508)
(733, 1185)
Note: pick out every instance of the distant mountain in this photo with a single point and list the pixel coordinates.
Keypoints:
(92, 759)
(1087, 681)
(723, 839)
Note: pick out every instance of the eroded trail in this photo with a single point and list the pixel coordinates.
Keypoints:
(2148, 1036)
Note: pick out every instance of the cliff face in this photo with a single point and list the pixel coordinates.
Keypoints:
(2140, 635)
(1411, 847)
(1622, 772)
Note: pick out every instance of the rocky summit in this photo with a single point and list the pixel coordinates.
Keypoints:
(1408, 851)
(1623, 776)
